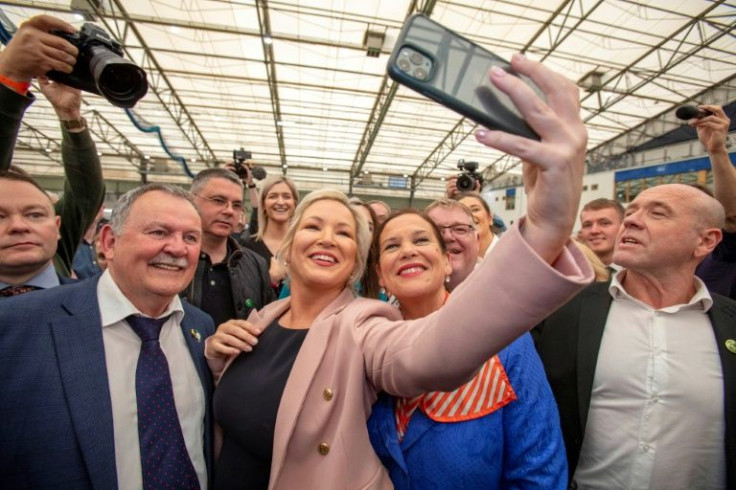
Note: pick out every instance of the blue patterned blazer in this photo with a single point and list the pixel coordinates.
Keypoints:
(56, 427)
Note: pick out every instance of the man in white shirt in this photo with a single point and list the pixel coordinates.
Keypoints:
(644, 368)
(80, 410)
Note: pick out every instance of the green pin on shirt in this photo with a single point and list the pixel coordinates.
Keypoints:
(249, 303)
(731, 345)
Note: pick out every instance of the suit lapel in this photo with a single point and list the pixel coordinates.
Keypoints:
(195, 336)
(594, 305)
(723, 321)
(81, 356)
(300, 380)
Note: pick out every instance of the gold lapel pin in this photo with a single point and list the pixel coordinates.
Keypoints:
(195, 335)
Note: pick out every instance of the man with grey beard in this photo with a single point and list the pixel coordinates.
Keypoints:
(104, 381)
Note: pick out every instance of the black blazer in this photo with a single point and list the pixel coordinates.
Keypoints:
(568, 342)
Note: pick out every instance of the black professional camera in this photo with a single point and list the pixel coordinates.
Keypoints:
(468, 176)
(239, 158)
(100, 68)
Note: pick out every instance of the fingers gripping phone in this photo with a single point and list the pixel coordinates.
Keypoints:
(452, 70)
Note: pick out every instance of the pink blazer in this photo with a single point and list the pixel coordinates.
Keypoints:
(357, 348)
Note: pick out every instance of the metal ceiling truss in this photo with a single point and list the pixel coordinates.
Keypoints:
(264, 24)
(380, 107)
(677, 56)
(31, 138)
(107, 133)
(609, 155)
(459, 133)
(158, 82)
(571, 16)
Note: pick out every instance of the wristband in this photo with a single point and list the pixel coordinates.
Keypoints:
(20, 87)
(251, 186)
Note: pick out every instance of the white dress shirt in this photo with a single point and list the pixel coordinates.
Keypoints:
(122, 347)
(493, 244)
(656, 416)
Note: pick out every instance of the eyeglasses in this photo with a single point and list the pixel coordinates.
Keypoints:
(223, 203)
(457, 230)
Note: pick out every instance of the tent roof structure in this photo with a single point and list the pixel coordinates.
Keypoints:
(292, 82)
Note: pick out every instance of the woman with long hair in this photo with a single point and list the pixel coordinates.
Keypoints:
(483, 218)
(501, 429)
(277, 201)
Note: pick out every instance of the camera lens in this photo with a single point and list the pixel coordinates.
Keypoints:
(403, 64)
(420, 74)
(416, 58)
(121, 82)
(465, 183)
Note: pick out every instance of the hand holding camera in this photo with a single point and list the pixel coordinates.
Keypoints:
(101, 68)
(468, 180)
(34, 50)
(66, 100)
(243, 169)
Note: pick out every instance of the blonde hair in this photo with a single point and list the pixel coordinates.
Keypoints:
(267, 185)
(362, 235)
(602, 273)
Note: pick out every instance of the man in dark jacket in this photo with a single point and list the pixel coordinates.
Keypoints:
(644, 368)
(26, 256)
(230, 281)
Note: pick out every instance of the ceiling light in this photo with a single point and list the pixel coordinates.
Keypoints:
(373, 42)
(267, 40)
(593, 81)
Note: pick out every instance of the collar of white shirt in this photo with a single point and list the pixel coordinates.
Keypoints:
(700, 300)
(115, 307)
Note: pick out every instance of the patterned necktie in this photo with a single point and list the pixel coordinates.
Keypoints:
(165, 462)
(16, 290)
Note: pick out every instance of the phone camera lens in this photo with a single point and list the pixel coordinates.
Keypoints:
(416, 58)
(420, 74)
(403, 64)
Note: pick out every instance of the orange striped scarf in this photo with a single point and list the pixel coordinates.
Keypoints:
(488, 391)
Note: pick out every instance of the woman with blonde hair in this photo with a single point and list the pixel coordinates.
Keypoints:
(277, 200)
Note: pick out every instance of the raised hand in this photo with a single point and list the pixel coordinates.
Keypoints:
(34, 51)
(553, 167)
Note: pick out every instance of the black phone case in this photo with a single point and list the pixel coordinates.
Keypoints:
(458, 78)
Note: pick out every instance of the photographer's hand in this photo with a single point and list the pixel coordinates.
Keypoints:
(67, 101)
(553, 167)
(451, 188)
(34, 51)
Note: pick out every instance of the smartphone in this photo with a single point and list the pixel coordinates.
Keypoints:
(452, 70)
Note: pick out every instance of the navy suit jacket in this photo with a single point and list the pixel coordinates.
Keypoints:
(568, 342)
(56, 427)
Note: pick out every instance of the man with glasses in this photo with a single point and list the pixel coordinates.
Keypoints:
(455, 221)
(230, 281)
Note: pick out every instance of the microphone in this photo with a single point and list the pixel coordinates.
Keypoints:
(687, 112)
